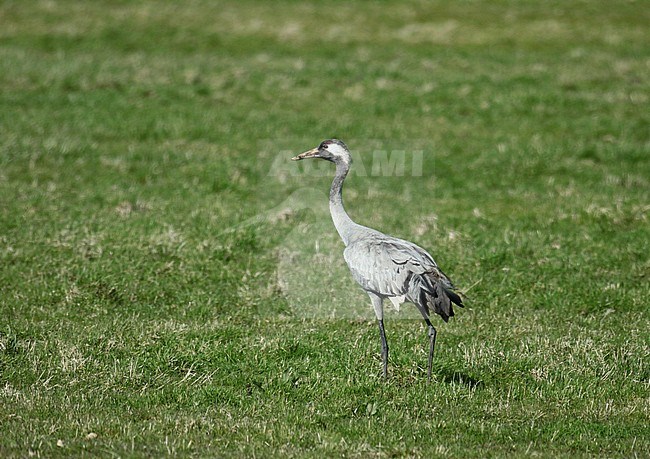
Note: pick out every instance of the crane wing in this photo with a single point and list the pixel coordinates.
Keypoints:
(385, 265)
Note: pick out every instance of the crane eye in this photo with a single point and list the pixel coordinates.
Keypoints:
(325, 146)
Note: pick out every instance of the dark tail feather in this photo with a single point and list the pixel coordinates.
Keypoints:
(435, 293)
(454, 297)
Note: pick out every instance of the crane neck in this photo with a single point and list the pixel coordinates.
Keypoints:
(342, 221)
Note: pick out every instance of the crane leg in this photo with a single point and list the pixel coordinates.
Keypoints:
(432, 337)
(432, 345)
(378, 306)
(384, 347)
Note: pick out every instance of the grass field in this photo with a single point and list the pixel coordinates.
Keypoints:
(152, 239)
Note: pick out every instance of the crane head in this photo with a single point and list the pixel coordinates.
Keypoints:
(331, 150)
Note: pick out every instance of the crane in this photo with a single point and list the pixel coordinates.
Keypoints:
(384, 266)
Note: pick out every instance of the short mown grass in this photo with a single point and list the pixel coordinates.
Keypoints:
(152, 239)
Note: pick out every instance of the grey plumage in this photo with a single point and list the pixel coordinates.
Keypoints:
(386, 267)
(401, 271)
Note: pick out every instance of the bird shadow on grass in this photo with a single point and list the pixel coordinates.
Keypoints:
(450, 376)
(439, 375)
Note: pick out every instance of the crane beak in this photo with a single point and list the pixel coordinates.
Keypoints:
(313, 153)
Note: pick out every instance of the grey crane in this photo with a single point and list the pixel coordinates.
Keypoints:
(385, 266)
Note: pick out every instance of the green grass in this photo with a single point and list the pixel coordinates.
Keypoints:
(151, 241)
